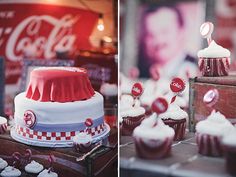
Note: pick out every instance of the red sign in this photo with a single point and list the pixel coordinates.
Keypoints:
(88, 122)
(211, 97)
(41, 28)
(160, 105)
(137, 89)
(177, 85)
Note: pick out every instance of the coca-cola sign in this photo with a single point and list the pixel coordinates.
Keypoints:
(40, 29)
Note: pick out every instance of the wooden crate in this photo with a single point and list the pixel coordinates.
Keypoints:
(101, 163)
(227, 100)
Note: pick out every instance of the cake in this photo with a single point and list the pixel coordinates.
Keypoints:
(55, 106)
(131, 113)
(176, 118)
(10, 172)
(214, 60)
(209, 133)
(229, 147)
(33, 167)
(153, 139)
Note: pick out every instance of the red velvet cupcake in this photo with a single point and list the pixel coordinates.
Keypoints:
(132, 114)
(229, 147)
(214, 60)
(153, 139)
(176, 118)
(209, 133)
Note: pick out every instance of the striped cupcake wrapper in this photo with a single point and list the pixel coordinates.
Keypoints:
(130, 123)
(153, 149)
(3, 128)
(209, 145)
(179, 127)
(214, 66)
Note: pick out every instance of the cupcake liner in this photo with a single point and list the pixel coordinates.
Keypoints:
(230, 156)
(209, 145)
(153, 149)
(179, 127)
(3, 128)
(214, 66)
(130, 123)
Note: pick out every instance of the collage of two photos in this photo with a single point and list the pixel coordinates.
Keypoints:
(108, 88)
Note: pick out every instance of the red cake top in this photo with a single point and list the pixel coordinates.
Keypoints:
(59, 84)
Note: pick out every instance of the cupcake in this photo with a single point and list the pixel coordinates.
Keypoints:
(176, 118)
(214, 60)
(3, 164)
(33, 167)
(83, 142)
(209, 133)
(131, 113)
(229, 147)
(47, 173)
(153, 139)
(10, 172)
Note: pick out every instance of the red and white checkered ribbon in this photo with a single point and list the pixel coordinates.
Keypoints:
(214, 66)
(56, 136)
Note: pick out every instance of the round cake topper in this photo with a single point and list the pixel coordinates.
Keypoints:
(177, 85)
(211, 97)
(29, 118)
(137, 89)
(160, 105)
(206, 30)
(88, 122)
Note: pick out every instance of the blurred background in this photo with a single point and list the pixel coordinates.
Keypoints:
(166, 33)
(160, 39)
(56, 33)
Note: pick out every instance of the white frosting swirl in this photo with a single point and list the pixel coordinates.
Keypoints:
(230, 138)
(83, 138)
(10, 172)
(3, 164)
(153, 128)
(216, 124)
(33, 167)
(45, 173)
(213, 51)
(109, 89)
(174, 112)
(127, 109)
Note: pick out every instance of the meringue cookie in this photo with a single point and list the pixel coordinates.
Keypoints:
(33, 167)
(3, 164)
(45, 173)
(213, 51)
(10, 172)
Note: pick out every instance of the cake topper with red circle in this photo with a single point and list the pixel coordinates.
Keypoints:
(206, 30)
(211, 97)
(88, 122)
(159, 105)
(177, 86)
(29, 118)
(137, 89)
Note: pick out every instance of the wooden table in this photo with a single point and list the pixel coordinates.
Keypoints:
(184, 161)
(101, 163)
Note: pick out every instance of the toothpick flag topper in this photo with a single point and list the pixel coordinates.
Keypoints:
(206, 30)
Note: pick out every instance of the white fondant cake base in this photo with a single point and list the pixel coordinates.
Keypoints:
(51, 143)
